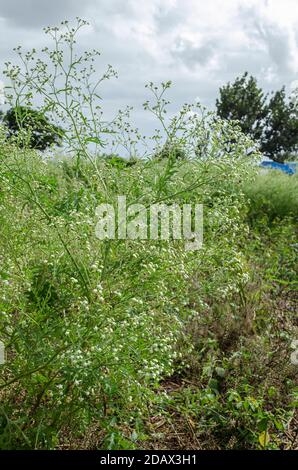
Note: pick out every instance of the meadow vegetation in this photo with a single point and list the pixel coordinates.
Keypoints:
(137, 344)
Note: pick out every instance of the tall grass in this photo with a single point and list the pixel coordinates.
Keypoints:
(273, 195)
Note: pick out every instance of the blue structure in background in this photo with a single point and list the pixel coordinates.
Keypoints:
(290, 169)
(293, 165)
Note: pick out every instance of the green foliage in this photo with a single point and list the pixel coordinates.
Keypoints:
(96, 325)
(119, 162)
(273, 195)
(239, 391)
(171, 151)
(281, 129)
(31, 128)
(94, 328)
(273, 124)
(245, 102)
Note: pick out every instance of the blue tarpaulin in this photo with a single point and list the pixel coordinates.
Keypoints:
(290, 170)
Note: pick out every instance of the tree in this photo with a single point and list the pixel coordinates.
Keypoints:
(32, 128)
(281, 129)
(244, 101)
(273, 124)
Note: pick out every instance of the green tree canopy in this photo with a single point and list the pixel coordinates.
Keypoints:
(271, 122)
(281, 128)
(244, 101)
(31, 128)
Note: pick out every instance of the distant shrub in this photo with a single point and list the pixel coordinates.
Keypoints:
(171, 151)
(31, 128)
(119, 162)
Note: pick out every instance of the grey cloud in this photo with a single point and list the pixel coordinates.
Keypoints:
(274, 39)
(191, 54)
(169, 19)
(277, 43)
(37, 14)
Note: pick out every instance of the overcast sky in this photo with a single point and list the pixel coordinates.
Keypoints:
(198, 44)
